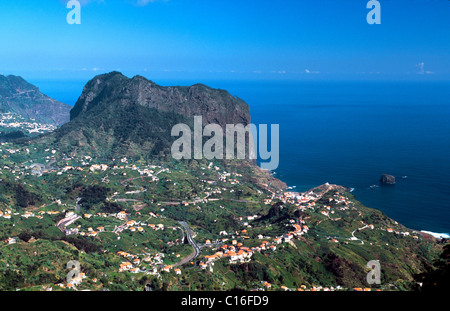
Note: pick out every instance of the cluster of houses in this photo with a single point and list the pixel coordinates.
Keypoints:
(403, 233)
(13, 120)
(296, 198)
(127, 265)
(77, 280)
(133, 262)
(132, 225)
(11, 240)
(300, 227)
(85, 162)
(6, 214)
(302, 288)
(29, 214)
(227, 177)
(98, 167)
(344, 204)
(169, 268)
(90, 231)
(238, 253)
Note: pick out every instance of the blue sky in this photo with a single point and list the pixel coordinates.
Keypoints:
(286, 39)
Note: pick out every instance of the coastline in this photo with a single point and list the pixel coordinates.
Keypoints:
(437, 235)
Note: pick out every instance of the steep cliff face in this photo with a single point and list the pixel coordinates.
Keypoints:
(214, 105)
(116, 115)
(21, 97)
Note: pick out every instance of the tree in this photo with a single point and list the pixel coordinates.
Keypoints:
(437, 277)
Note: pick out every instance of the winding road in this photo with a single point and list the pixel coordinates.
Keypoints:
(197, 250)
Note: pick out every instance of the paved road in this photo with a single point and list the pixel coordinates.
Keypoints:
(63, 223)
(196, 252)
(122, 182)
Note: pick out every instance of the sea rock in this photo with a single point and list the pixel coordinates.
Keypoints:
(387, 179)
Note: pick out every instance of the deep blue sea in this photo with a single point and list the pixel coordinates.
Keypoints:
(349, 133)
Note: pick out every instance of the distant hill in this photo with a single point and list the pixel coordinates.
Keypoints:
(19, 96)
(117, 116)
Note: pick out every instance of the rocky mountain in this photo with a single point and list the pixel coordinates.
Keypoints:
(19, 96)
(215, 105)
(116, 115)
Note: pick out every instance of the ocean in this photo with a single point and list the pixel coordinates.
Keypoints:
(350, 133)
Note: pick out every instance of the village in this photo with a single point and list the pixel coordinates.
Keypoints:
(14, 121)
(229, 247)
